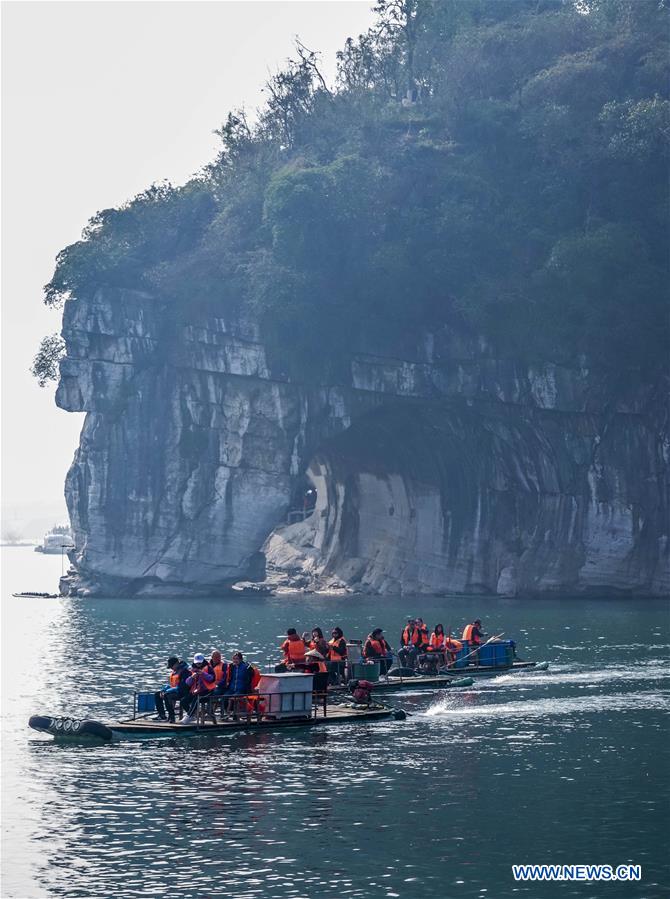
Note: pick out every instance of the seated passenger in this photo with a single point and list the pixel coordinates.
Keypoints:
(201, 683)
(411, 643)
(435, 654)
(318, 642)
(376, 649)
(221, 671)
(239, 684)
(423, 631)
(294, 651)
(177, 689)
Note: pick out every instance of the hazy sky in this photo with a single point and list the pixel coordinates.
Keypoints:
(99, 100)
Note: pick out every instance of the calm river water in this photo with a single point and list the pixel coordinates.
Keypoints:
(566, 766)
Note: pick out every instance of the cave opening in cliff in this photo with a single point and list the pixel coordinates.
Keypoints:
(391, 495)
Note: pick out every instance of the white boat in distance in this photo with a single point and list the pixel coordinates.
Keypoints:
(55, 543)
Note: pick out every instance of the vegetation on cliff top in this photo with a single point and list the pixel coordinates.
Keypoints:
(498, 162)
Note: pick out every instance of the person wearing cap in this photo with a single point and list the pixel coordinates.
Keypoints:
(201, 682)
(376, 649)
(177, 689)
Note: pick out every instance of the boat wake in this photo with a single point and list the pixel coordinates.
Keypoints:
(551, 706)
(645, 672)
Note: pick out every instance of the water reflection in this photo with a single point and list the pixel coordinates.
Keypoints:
(560, 766)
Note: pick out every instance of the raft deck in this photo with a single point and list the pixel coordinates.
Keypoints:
(438, 681)
(335, 715)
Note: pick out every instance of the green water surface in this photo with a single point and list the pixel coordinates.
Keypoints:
(565, 766)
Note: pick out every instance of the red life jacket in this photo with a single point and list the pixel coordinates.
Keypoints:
(221, 674)
(333, 653)
(199, 684)
(294, 649)
(379, 648)
(469, 635)
(414, 638)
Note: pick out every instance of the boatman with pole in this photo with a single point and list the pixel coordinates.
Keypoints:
(474, 634)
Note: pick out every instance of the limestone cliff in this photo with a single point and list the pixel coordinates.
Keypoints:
(448, 469)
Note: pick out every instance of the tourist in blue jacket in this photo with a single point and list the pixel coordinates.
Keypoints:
(239, 684)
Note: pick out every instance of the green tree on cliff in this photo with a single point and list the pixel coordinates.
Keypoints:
(502, 163)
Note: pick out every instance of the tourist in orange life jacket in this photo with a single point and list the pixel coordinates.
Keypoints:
(201, 683)
(337, 655)
(435, 649)
(423, 630)
(411, 643)
(436, 643)
(474, 634)
(294, 650)
(451, 647)
(376, 649)
(221, 671)
(176, 689)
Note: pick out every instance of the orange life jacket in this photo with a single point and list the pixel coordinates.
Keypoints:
(415, 638)
(255, 677)
(333, 654)
(174, 679)
(379, 647)
(200, 681)
(452, 645)
(221, 674)
(467, 634)
(294, 650)
(436, 641)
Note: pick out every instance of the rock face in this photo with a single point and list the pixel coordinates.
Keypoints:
(437, 470)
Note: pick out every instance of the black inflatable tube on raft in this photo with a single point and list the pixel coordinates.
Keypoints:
(70, 728)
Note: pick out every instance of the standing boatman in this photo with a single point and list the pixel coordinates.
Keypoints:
(474, 634)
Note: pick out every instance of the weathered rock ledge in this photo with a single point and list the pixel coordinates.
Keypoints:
(444, 469)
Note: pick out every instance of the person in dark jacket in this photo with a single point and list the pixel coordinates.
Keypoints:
(177, 689)
(376, 649)
(239, 684)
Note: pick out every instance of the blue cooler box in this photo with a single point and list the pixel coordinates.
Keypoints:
(497, 655)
